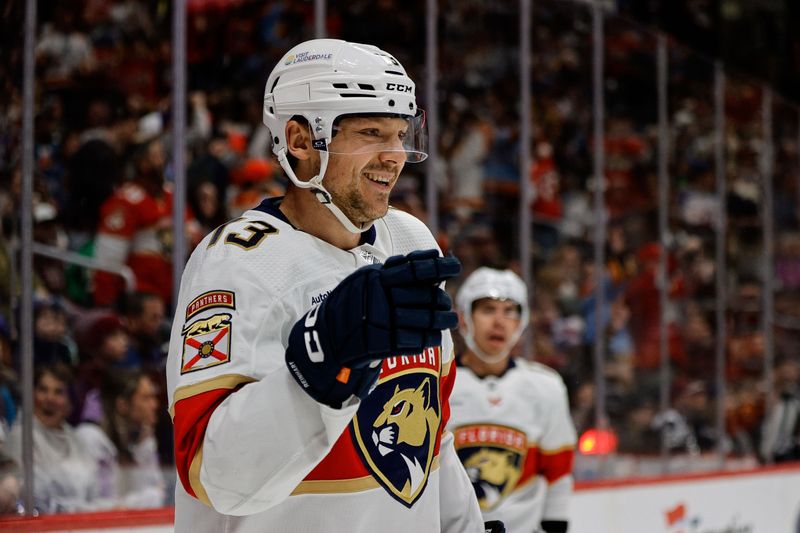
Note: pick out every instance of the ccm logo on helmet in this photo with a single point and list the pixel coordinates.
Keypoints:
(399, 88)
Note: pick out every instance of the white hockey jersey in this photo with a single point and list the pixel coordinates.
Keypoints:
(516, 439)
(254, 452)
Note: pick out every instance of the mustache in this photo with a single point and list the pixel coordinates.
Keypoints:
(390, 167)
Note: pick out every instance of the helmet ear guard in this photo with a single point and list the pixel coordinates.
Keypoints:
(325, 79)
(487, 282)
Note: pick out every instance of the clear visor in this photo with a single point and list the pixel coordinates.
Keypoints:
(368, 134)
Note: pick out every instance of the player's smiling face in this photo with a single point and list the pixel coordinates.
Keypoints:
(494, 323)
(366, 157)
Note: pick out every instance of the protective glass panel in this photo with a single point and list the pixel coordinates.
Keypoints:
(777, 443)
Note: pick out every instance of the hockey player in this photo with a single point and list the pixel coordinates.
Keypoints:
(510, 417)
(310, 362)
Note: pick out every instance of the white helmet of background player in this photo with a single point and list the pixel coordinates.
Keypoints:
(503, 285)
(323, 80)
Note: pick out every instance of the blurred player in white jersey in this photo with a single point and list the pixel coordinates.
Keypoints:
(310, 358)
(510, 417)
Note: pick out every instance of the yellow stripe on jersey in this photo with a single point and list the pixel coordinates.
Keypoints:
(358, 484)
(226, 381)
(554, 451)
(194, 477)
(446, 368)
(338, 486)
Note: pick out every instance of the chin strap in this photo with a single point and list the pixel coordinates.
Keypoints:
(325, 199)
(483, 356)
(320, 192)
(480, 354)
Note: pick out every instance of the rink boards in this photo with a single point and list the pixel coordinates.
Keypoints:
(757, 501)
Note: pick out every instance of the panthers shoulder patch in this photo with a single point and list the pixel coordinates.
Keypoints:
(207, 338)
(211, 299)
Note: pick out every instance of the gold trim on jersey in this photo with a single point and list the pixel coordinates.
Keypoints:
(194, 477)
(554, 451)
(446, 368)
(333, 486)
(225, 381)
(416, 370)
(338, 486)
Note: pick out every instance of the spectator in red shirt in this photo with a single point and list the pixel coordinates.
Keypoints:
(642, 297)
(136, 230)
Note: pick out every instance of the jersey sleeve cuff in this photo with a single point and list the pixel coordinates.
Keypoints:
(336, 420)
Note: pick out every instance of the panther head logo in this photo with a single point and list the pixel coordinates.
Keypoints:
(493, 473)
(407, 418)
(402, 436)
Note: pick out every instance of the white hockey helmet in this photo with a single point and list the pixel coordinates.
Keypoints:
(326, 79)
(502, 285)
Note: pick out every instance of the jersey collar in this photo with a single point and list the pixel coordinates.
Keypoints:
(271, 205)
(511, 364)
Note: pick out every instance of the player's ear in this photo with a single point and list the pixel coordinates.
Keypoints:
(298, 140)
(462, 325)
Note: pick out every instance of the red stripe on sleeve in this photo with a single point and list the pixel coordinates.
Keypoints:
(531, 466)
(554, 466)
(446, 386)
(190, 421)
(342, 462)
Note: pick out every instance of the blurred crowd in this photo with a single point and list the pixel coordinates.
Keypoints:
(102, 189)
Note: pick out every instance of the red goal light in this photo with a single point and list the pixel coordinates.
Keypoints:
(597, 442)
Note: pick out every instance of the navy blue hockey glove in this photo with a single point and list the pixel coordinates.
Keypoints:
(378, 311)
(494, 526)
(554, 526)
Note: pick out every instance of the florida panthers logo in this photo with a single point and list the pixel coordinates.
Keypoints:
(493, 474)
(397, 431)
(493, 457)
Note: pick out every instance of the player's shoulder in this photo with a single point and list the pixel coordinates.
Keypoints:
(405, 232)
(466, 377)
(397, 219)
(543, 375)
(261, 249)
